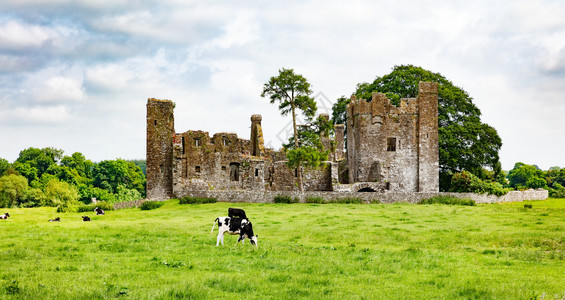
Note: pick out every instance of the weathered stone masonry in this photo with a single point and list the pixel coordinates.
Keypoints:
(160, 132)
(395, 146)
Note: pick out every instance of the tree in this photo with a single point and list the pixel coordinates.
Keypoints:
(524, 176)
(61, 194)
(109, 174)
(4, 166)
(12, 190)
(292, 92)
(41, 159)
(465, 143)
(78, 162)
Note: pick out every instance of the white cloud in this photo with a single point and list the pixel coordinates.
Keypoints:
(16, 35)
(35, 115)
(59, 89)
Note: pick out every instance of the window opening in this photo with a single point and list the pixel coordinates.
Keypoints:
(391, 144)
(234, 171)
(256, 172)
(196, 142)
(183, 149)
(197, 169)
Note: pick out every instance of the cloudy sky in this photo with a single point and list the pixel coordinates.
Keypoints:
(76, 75)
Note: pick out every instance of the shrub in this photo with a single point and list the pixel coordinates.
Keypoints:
(285, 199)
(149, 205)
(318, 200)
(346, 201)
(449, 200)
(197, 200)
(102, 204)
(465, 182)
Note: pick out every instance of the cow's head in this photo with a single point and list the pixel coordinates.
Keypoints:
(247, 229)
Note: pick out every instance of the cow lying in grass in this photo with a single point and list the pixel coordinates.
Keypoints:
(57, 219)
(85, 218)
(98, 211)
(234, 226)
(4, 216)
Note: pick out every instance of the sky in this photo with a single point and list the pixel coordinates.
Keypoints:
(76, 75)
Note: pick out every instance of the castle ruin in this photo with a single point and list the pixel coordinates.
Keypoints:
(389, 148)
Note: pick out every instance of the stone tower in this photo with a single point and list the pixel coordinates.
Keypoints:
(160, 132)
(428, 150)
(395, 146)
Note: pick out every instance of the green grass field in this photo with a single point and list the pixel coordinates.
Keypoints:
(314, 251)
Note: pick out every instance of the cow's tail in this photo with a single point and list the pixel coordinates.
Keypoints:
(215, 221)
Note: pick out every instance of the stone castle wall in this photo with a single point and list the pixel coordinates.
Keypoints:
(396, 146)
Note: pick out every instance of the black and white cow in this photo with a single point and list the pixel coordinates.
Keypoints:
(4, 216)
(98, 211)
(85, 218)
(234, 226)
(236, 212)
(57, 219)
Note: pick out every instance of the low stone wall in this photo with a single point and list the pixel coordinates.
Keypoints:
(129, 204)
(389, 197)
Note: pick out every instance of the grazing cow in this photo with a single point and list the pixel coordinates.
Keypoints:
(85, 218)
(57, 219)
(99, 211)
(236, 212)
(4, 216)
(234, 226)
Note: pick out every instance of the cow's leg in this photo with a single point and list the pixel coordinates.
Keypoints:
(220, 238)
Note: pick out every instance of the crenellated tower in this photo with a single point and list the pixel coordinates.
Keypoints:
(394, 146)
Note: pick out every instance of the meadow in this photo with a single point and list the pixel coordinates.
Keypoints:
(313, 251)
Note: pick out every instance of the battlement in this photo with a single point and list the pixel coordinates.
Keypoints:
(380, 105)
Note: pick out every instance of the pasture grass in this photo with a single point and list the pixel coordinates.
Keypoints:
(313, 251)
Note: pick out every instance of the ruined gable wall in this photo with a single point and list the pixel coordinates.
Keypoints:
(220, 162)
(314, 179)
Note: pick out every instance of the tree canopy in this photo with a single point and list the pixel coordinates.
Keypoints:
(293, 94)
(465, 142)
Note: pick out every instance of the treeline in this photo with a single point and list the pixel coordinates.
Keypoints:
(524, 176)
(46, 177)
(521, 177)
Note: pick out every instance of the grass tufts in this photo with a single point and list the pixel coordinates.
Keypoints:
(149, 205)
(449, 200)
(197, 200)
(285, 199)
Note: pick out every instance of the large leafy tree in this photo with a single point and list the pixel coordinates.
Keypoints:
(4, 166)
(12, 190)
(110, 174)
(465, 143)
(293, 94)
(40, 159)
